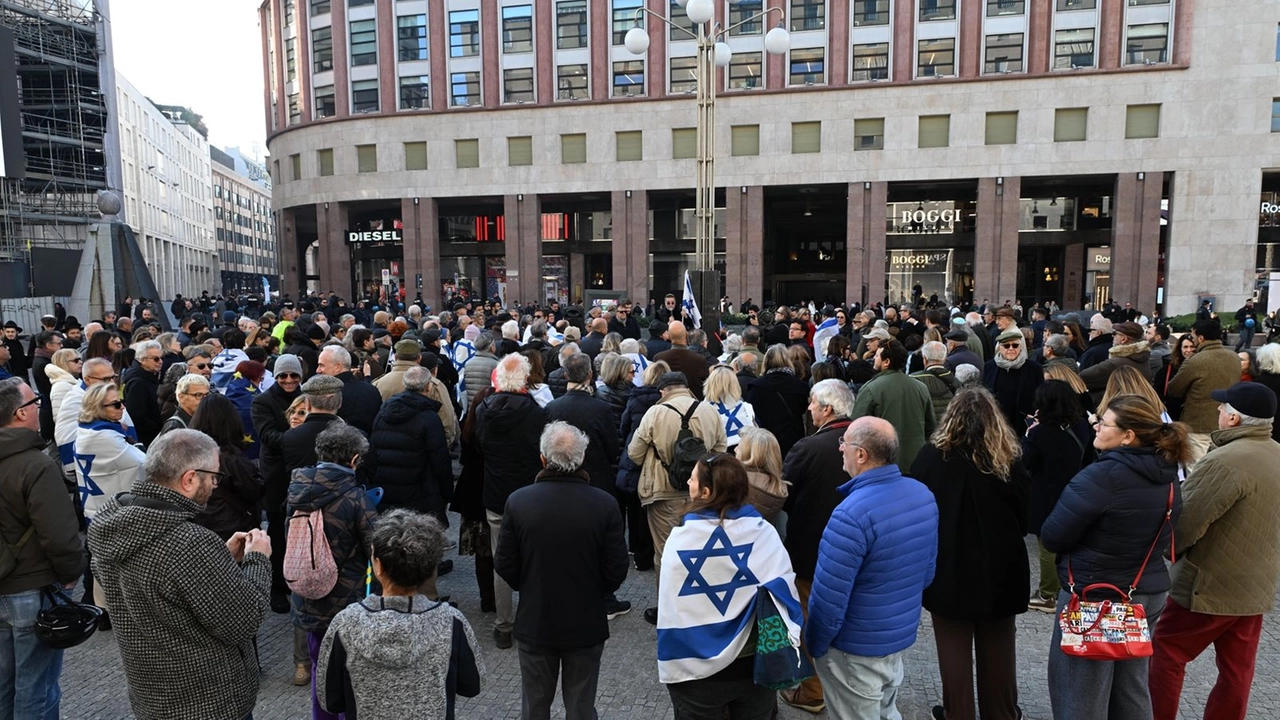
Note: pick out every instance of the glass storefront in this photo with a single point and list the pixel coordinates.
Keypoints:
(930, 246)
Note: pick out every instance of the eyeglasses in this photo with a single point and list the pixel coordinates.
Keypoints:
(1011, 345)
(104, 378)
(114, 405)
(217, 476)
(151, 358)
(37, 401)
(197, 395)
(710, 459)
(846, 443)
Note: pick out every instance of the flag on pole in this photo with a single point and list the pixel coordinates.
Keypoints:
(827, 330)
(266, 289)
(691, 305)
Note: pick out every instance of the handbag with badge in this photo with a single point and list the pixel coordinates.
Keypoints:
(1109, 629)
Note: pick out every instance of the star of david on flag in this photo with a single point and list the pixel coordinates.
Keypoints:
(720, 594)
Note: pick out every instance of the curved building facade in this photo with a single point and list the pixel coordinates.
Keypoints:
(1067, 150)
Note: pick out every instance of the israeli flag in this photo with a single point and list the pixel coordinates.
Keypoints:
(827, 330)
(640, 363)
(266, 290)
(711, 571)
(691, 305)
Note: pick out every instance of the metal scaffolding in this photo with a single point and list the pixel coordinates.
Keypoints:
(64, 123)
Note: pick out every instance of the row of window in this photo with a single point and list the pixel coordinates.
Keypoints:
(934, 131)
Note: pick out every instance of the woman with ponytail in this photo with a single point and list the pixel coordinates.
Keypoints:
(1102, 530)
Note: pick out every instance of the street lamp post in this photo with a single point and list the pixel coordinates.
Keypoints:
(713, 52)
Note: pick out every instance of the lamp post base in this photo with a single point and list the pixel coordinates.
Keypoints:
(706, 290)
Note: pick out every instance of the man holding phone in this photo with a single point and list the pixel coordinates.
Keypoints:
(194, 603)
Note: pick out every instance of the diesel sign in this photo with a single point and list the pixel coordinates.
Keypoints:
(368, 236)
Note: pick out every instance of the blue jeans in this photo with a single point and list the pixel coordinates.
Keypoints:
(28, 669)
(1110, 689)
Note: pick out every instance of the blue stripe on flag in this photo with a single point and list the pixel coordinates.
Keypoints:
(702, 641)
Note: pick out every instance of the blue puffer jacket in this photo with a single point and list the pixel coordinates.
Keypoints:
(1107, 517)
(876, 558)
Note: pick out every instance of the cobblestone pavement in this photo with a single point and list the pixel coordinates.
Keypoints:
(93, 680)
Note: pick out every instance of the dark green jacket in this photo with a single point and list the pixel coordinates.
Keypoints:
(906, 404)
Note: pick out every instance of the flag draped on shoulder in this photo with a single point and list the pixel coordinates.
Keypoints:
(827, 330)
(689, 303)
(711, 572)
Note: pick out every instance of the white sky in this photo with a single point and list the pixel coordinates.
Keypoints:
(204, 54)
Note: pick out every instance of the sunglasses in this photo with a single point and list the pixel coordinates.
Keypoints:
(114, 405)
(1011, 345)
(201, 366)
(288, 376)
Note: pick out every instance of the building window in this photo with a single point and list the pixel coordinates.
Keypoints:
(366, 158)
(682, 28)
(744, 140)
(624, 18)
(1004, 54)
(1136, 3)
(573, 148)
(1141, 122)
(291, 59)
(868, 134)
(808, 67)
(324, 160)
(295, 164)
(572, 82)
(517, 85)
(937, 10)
(1278, 43)
(519, 151)
(997, 8)
(1002, 128)
(1275, 115)
(1148, 44)
(867, 13)
(571, 24)
(464, 33)
(414, 93)
(319, 7)
(517, 29)
(808, 15)
(415, 156)
(322, 49)
(1073, 49)
(746, 71)
(871, 61)
(738, 14)
(412, 37)
(1064, 5)
(358, 3)
(684, 143)
(806, 137)
(466, 153)
(937, 57)
(1070, 124)
(364, 43)
(295, 110)
(464, 89)
(935, 131)
(288, 12)
(629, 145)
(326, 102)
(684, 75)
(364, 96)
(628, 78)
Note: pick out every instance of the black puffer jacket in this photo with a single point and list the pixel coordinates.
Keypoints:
(558, 383)
(1107, 517)
(233, 507)
(361, 402)
(414, 470)
(509, 426)
(141, 387)
(1052, 458)
(617, 398)
(780, 400)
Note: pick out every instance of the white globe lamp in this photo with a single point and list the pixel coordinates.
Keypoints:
(636, 41)
(777, 41)
(723, 54)
(700, 11)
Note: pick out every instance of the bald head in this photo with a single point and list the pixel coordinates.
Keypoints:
(600, 325)
(676, 333)
(869, 443)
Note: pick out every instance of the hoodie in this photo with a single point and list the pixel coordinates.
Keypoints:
(414, 469)
(509, 427)
(397, 657)
(1108, 515)
(188, 605)
(348, 521)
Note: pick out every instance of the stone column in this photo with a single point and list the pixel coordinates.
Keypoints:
(288, 254)
(335, 257)
(524, 247)
(865, 242)
(1135, 239)
(1110, 33)
(630, 209)
(421, 248)
(995, 264)
(744, 243)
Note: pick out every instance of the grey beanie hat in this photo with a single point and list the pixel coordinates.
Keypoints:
(287, 364)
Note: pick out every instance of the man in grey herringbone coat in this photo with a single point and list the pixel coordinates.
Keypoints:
(185, 606)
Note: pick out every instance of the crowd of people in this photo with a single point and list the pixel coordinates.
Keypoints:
(852, 468)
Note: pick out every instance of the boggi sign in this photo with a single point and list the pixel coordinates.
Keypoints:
(929, 216)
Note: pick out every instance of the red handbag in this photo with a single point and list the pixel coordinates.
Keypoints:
(1108, 629)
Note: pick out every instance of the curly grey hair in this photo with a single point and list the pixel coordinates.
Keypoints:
(408, 546)
(339, 443)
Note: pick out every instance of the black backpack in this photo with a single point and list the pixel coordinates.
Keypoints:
(687, 450)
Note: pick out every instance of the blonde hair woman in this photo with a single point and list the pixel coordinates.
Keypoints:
(1128, 381)
(973, 466)
(297, 411)
(63, 371)
(1056, 371)
(722, 391)
(758, 450)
